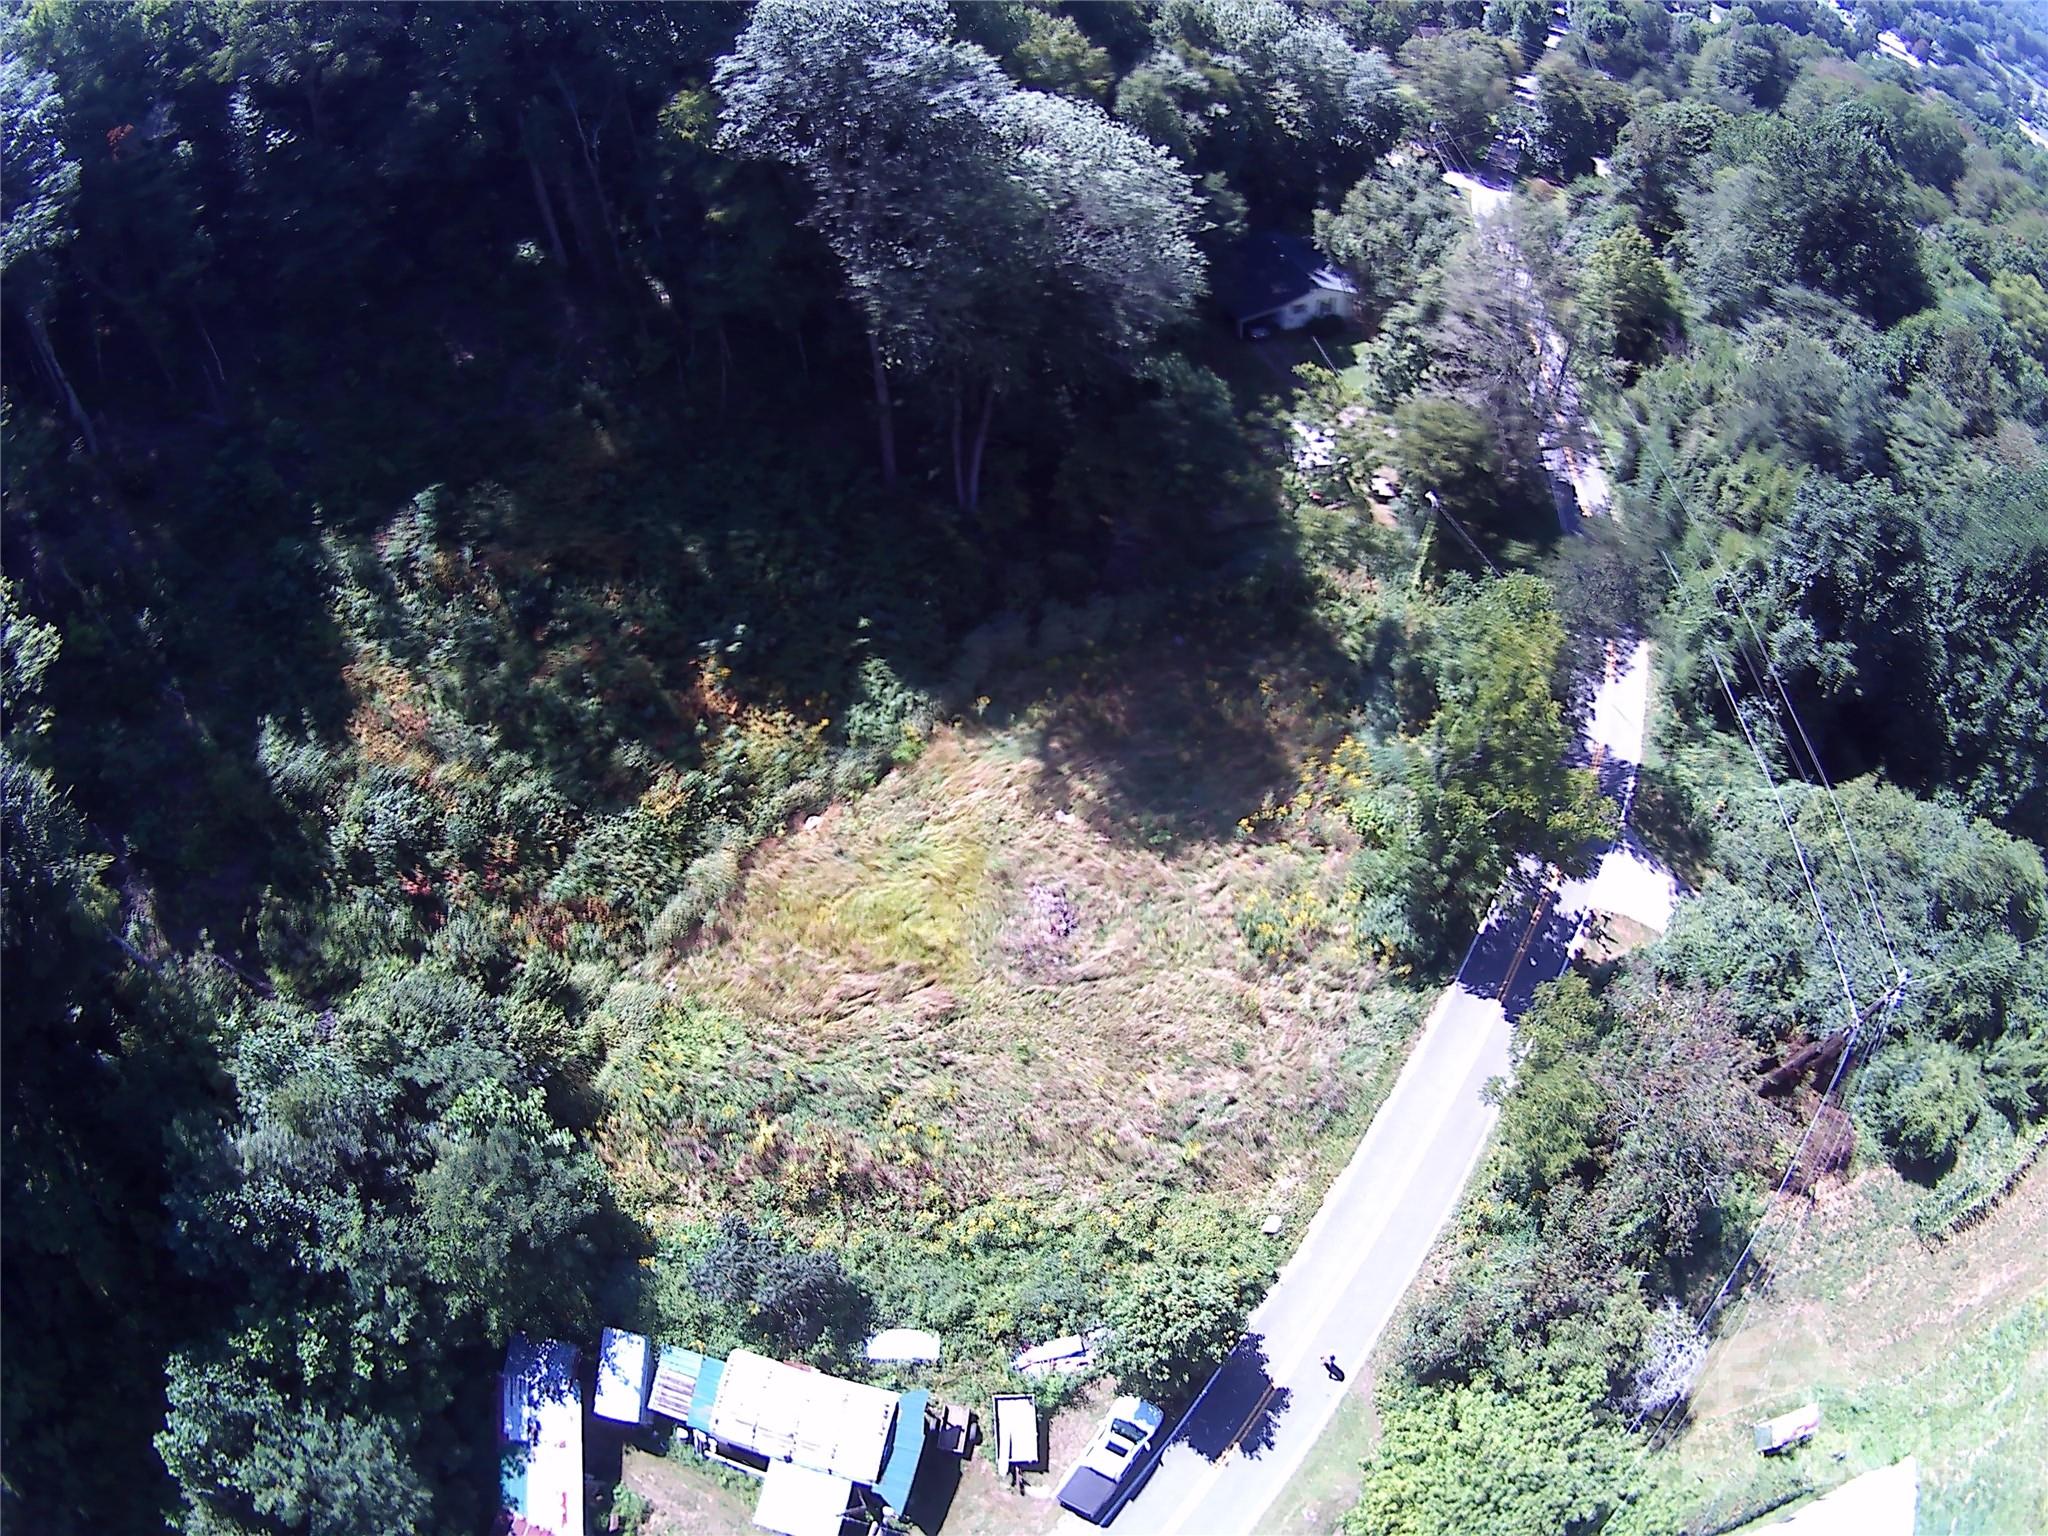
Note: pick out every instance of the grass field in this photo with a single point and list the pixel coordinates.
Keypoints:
(1940, 1353)
(1326, 1488)
(1026, 945)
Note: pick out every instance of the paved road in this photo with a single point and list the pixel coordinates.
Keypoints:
(1262, 1412)
(1264, 1409)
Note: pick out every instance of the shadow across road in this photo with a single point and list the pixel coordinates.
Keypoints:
(1526, 944)
(1239, 1407)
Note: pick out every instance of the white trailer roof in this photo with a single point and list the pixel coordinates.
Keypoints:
(788, 1414)
(1016, 1431)
(800, 1501)
(911, 1344)
(622, 1361)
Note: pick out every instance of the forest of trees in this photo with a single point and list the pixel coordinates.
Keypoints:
(471, 472)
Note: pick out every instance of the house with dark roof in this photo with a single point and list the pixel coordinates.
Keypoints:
(1281, 282)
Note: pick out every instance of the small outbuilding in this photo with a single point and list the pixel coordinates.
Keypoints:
(685, 1383)
(800, 1501)
(1017, 1443)
(1787, 1429)
(1281, 282)
(827, 1450)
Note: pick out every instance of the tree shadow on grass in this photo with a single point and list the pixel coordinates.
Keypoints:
(1190, 730)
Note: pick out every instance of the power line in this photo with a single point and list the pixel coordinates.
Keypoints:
(1661, 462)
(1984, 963)
(1834, 798)
(1650, 1440)
(1827, 928)
(1665, 473)
(1437, 506)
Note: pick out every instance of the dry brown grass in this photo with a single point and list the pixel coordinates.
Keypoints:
(1028, 940)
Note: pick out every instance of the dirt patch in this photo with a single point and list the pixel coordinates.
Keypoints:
(682, 1500)
(986, 1505)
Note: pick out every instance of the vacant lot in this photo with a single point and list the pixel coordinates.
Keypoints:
(1023, 951)
(1938, 1353)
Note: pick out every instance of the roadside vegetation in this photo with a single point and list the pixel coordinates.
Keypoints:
(594, 735)
(1793, 309)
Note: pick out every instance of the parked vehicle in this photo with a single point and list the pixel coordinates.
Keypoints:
(1116, 1464)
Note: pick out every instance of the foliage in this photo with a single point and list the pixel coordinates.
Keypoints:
(987, 205)
(440, 550)
(1532, 1456)
(1395, 225)
(1822, 202)
(1579, 114)
(1465, 81)
(1277, 101)
(795, 1301)
(1660, 155)
(1179, 1311)
(1628, 297)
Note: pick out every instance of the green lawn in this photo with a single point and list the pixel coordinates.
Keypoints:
(1938, 1353)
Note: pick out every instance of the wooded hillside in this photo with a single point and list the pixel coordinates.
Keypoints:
(478, 478)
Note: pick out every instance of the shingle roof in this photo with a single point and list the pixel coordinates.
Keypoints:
(1270, 271)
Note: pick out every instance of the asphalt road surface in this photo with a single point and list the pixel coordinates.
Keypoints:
(1257, 1419)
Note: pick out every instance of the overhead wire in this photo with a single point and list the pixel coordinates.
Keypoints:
(1849, 1052)
(1661, 462)
(1665, 473)
(1820, 769)
(1857, 1017)
(1827, 927)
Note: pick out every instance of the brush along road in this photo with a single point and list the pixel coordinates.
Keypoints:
(1253, 1425)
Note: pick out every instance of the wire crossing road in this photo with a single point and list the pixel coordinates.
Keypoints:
(1257, 1419)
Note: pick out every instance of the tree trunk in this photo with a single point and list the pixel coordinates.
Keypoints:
(988, 411)
(959, 459)
(885, 420)
(39, 333)
(604, 212)
(547, 211)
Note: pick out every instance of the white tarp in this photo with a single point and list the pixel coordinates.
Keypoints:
(787, 1414)
(800, 1501)
(904, 1344)
(1073, 1353)
(622, 1361)
(1017, 1432)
